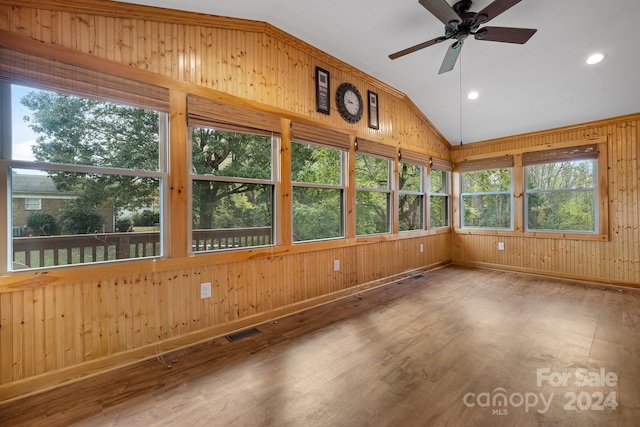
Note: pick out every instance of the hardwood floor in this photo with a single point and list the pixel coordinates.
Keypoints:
(432, 351)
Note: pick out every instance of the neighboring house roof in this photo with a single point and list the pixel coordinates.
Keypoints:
(37, 186)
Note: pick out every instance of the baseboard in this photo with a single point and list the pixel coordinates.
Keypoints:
(626, 284)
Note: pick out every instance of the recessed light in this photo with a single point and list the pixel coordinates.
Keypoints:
(596, 58)
(473, 95)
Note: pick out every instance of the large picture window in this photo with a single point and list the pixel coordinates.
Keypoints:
(486, 193)
(233, 184)
(83, 172)
(561, 189)
(233, 189)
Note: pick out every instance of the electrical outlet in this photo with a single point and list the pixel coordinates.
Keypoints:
(421, 247)
(501, 246)
(205, 290)
(336, 265)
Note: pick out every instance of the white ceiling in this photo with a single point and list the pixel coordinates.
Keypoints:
(542, 84)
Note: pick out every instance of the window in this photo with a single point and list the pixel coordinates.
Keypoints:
(561, 194)
(233, 187)
(318, 170)
(98, 162)
(411, 197)
(439, 191)
(318, 192)
(32, 204)
(373, 190)
(486, 193)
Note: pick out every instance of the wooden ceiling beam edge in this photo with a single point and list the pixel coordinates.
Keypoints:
(546, 132)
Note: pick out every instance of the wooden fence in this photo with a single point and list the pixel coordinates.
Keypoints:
(47, 251)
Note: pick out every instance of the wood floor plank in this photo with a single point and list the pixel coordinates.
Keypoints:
(436, 350)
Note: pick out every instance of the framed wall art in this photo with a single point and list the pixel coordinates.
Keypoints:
(323, 91)
(373, 110)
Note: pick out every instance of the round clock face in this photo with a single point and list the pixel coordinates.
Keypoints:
(349, 101)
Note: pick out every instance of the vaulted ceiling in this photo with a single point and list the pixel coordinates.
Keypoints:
(542, 84)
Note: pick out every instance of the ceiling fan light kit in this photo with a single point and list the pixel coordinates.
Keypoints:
(460, 23)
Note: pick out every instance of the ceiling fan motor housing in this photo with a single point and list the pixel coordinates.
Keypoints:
(469, 22)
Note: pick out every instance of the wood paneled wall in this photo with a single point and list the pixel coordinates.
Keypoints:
(615, 261)
(61, 324)
(258, 62)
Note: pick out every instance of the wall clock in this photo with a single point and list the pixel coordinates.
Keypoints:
(349, 102)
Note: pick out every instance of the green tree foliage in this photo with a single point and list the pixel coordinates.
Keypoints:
(411, 206)
(372, 208)
(42, 224)
(123, 225)
(317, 212)
(81, 131)
(146, 218)
(231, 204)
(75, 220)
(560, 196)
(438, 199)
(490, 204)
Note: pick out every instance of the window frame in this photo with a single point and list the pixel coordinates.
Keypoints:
(446, 196)
(487, 193)
(192, 177)
(593, 190)
(29, 202)
(341, 186)
(421, 193)
(8, 164)
(388, 191)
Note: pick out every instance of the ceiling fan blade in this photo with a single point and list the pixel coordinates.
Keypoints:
(441, 10)
(494, 9)
(417, 47)
(451, 57)
(505, 34)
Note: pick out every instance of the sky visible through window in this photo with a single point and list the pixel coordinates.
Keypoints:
(23, 138)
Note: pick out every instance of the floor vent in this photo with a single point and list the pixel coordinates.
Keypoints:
(417, 275)
(242, 334)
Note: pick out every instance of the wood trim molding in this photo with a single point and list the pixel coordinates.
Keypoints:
(514, 151)
(625, 284)
(580, 126)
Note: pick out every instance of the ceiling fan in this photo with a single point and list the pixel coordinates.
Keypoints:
(460, 24)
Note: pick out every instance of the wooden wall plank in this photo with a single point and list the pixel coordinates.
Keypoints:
(616, 260)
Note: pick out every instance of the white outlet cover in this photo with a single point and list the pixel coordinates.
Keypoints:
(336, 265)
(421, 247)
(205, 290)
(501, 246)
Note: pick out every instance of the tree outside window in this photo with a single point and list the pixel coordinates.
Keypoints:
(561, 196)
(233, 189)
(439, 198)
(411, 197)
(486, 198)
(102, 161)
(318, 192)
(373, 195)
